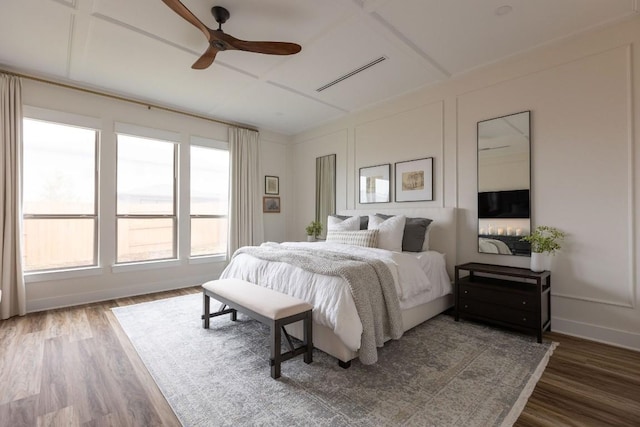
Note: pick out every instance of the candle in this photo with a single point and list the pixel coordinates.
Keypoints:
(482, 231)
(500, 231)
(490, 230)
(509, 231)
(518, 231)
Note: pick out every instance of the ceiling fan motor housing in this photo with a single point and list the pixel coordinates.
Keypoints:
(220, 14)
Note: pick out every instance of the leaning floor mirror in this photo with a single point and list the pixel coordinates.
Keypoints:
(504, 184)
(325, 190)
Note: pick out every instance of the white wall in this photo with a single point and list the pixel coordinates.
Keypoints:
(273, 158)
(584, 95)
(64, 289)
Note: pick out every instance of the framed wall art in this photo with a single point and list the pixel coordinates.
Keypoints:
(271, 185)
(375, 184)
(271, 204)
(414, 180)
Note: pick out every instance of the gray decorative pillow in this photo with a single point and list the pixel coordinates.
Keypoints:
(415, 230)
(364, 220)
(366, 238)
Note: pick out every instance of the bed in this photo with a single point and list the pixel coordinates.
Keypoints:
(421, 283)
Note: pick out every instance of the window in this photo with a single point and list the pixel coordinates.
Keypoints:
(209, 200)
(59, 196)
(146, 202)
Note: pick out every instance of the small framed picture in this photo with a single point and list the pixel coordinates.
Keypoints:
(375, 184)
(414, 180)
(271, 185)
(271, 204)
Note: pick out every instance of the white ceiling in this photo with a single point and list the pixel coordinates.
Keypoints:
(142, 49)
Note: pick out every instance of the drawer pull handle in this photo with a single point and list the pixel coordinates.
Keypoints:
(466, 306)
(466, 292)
(524, 319)
(524, 303)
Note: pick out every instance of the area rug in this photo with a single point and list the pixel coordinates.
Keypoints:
(441, 373)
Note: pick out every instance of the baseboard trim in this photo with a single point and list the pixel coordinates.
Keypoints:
(615, 337)
(109, 294)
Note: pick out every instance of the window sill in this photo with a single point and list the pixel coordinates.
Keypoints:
(206, 259)
(51, 275)
(145, 265)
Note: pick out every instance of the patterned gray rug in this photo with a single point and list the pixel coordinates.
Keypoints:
(441, 373)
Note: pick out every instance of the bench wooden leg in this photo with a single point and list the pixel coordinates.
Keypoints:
(307, 340)
(205, 311)
(275, 361)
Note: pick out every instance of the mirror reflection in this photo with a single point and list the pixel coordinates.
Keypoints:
(504, 184)
(325, 190)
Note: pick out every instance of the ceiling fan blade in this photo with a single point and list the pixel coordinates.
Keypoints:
(270, 48)
(182, 10)
(206, 59)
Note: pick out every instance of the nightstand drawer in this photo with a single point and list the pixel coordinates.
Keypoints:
(497, 312)
(501, 297)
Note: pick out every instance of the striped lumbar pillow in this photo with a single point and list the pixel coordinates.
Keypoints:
(367, 238)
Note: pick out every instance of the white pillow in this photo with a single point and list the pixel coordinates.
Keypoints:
(366, 238)
(390, 231)
(425, 245)
(337, 224)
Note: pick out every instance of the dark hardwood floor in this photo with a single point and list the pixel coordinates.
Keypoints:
(75, 366)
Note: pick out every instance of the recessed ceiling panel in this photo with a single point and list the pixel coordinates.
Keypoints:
(123, 60)
(347, 48)
(464, 35)
(268, 106)
(34, 35)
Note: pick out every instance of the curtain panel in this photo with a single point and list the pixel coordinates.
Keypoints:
(245, 204)
(13, 294)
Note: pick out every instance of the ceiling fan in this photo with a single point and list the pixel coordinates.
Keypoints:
(220, 41)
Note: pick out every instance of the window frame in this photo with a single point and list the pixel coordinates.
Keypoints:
(82, 122)
(158, 136)
(212, 144)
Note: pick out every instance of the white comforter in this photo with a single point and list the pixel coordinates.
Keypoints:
(419, 278)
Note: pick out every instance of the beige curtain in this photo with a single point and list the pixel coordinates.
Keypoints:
(245, 202)
(13, 295)
(325, 189)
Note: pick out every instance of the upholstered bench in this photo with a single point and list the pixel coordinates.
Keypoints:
(272, 308)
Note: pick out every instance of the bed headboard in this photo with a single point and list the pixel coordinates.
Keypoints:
(443, 229)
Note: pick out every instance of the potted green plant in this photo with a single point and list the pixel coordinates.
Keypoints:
(313, 230)
(544, 240)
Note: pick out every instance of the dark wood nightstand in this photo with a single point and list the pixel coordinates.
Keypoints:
(512, 297)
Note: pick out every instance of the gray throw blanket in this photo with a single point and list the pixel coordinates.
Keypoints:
(369, 279)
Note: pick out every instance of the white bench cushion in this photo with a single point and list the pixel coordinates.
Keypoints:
(264, 301)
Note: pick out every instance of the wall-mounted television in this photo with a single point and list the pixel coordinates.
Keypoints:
(504, 204)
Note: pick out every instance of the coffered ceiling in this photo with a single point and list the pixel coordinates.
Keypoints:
(143, 50)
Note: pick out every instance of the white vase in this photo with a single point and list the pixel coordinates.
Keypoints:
(311, 238)
(537, 262)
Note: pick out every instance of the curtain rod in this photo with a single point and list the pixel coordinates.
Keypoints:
(122, 98)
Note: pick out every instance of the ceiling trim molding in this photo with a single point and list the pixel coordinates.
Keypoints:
(287, 88)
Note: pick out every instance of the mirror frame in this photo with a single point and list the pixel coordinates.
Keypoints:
(504, 238)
